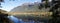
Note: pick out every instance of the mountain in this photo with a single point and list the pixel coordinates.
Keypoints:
(29, 7)
(26, 7)
(32, 7)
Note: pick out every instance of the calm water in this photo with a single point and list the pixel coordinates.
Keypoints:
(16, 20)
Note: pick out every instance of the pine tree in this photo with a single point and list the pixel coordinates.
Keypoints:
(55, 16)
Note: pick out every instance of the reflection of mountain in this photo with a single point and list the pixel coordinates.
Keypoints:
(26, 7)
(31, 8)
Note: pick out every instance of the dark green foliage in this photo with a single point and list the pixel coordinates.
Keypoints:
(3, 17)
(55, 15)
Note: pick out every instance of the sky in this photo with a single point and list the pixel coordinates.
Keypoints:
(9, 5)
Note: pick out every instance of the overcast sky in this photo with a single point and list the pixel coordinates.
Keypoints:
(8, 5)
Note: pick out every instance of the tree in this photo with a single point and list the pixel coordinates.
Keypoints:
(55, 16)
(3, 17)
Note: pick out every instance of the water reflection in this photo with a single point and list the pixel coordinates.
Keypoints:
(16, 20)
